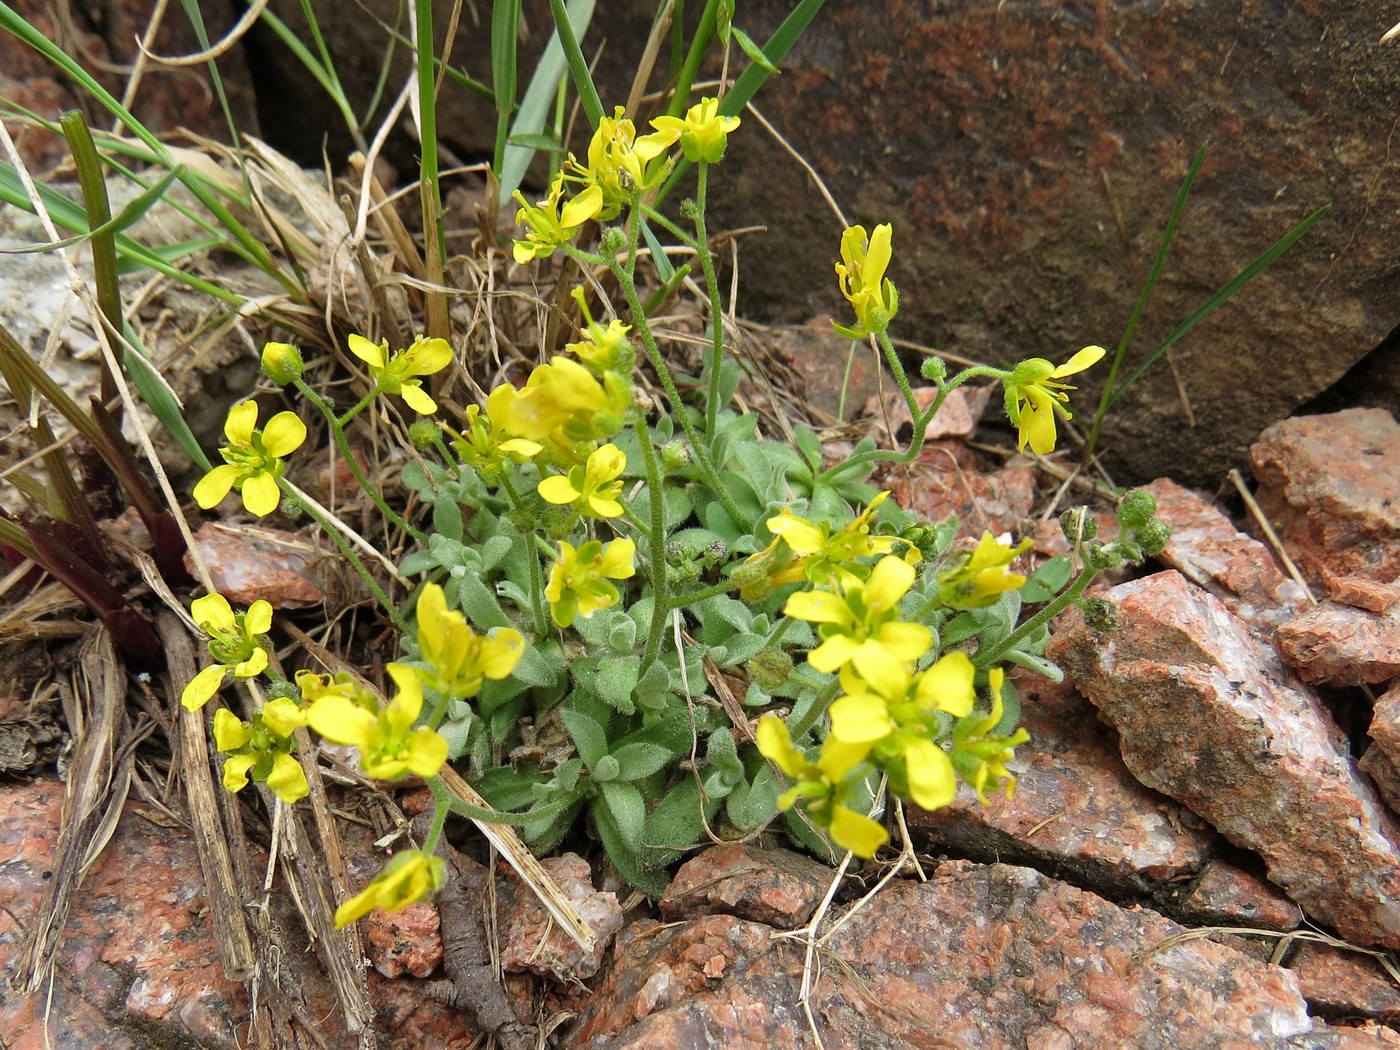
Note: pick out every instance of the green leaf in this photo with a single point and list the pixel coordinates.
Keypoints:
(495, 549)
(676, 823)
(750, 806)
(539, 666)
(625, 854)
(478, 602)
(641, 759)
(447, 518)
(1046, 581)
(1038, 664)
(614, 681)
(628, 810)
(589, 737)
(810, 446)
(753, 51)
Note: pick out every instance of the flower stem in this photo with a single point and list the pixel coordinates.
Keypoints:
(349, 553)
(532, 556)
(1064, 599)
(816, 711)
(337, 425)
(715, 355)
(656, 542)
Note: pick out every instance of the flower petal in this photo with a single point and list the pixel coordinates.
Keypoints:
(258, 619)
(211, 489)
(236, 771)
(859, 834)
(427, 356)
(860, 719)
(1086, 358)
(202, 686)
(213, 613)
(283, 434)
(287, 779)
(930, 773)
(427, 751)
(260, 494)
(558, 489)
(242, 418)
(775, 744)
(416, 398)
(230, 731)
(372, 354)
(341, 720)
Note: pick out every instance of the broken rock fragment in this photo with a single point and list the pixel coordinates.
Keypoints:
(1207, 714)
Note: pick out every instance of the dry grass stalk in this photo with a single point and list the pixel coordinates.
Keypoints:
(94, 704)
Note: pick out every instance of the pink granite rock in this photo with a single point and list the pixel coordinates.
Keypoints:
(1076, 809)
(1340, 983)
(1338, 645)
(773, 886)
(1331, 486)
(944, 480)
(1208, 550)
(248, 562)
(532, 942)
(993, 957)
(407, 941)
(1382, 759)
(957, 417)
(1207, 714)
(1226, 895)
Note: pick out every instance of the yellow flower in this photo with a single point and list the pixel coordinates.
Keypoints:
(252, 459)
(553, 221)
(894, 712)
(828, 556)
(313, 686)
(861, 275)
(825, 786)
(261, 750)
(564, 402)
(592, 489)
(703, 133)
(620, 164)
(606, 349)
(978, 754)
(397, 373)
(389, 744)
(861, 624)
(1033, 396)
(409, 876)
(458, 658)
(580, 579)
(233, 643)
(983, 574)
(485, 445)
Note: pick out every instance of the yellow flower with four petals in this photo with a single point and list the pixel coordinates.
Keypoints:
(233, 643)
(409, 877)
(703, 134)
(580, 581)
(252, 459)
(592, 488)
(861, 624)
(1034, 395)
(398, 373)
(861, 275)
(458, 658)
(389, 744)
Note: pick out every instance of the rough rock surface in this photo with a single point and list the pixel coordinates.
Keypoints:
(1338, 645)
(980, 956)
(250, 562)
(1340, 983)
(532, 942)
(1223, 894)
(1208, 715)
(1382, 759)
(1208, 550)
(1077, 809)
(1331, 486)
(772, 886)
(944, 480)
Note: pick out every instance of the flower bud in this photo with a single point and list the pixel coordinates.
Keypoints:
(675, 455)
(933, 369)
(1136, 509)
(1153, 537)
(423, 433)
(281, 362)
(1078, 525)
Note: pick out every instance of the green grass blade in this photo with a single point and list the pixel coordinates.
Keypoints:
(578, 64)
(158, 396)
(1246, 275)
(1168, 235)
(505, 25)
(538, 100)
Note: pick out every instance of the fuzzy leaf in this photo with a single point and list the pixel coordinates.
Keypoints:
(639, 760)
(447, 518)
(589, 737)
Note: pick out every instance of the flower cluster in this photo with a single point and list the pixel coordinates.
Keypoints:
(896, 710)
(621, 165)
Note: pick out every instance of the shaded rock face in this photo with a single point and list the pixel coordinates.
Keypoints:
(1027, 155)
(1207, 714)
